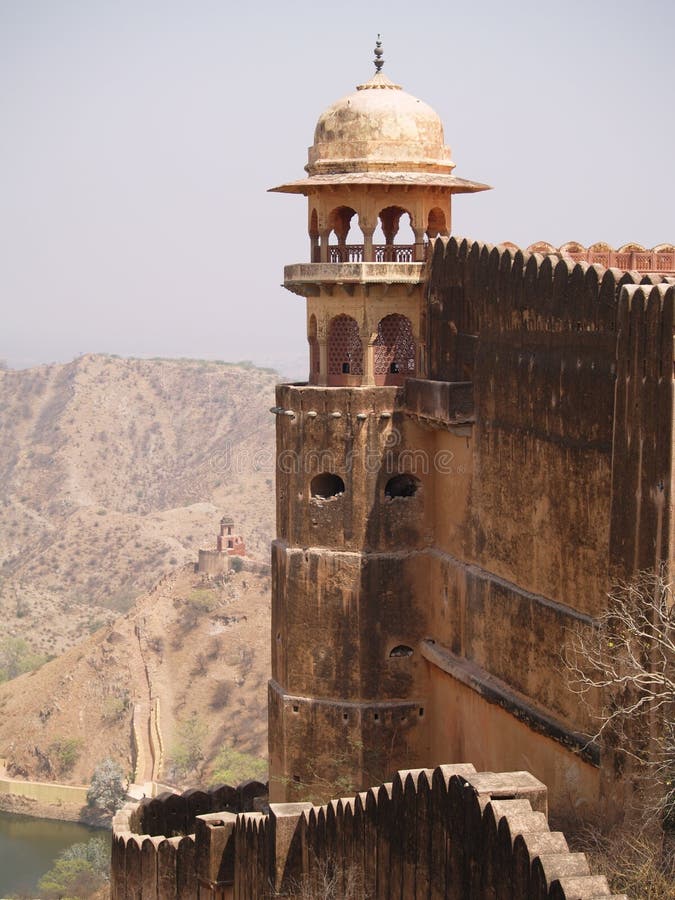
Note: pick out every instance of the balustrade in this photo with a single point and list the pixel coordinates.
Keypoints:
(396, 253)
(634, 260)
(348, 253)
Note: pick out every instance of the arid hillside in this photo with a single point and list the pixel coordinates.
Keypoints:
(113, 472)
(196, 650)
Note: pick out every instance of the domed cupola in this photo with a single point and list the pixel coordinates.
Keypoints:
(379, 127)
(380, 134)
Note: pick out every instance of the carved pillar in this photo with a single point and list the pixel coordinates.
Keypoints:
(368, 232)
(418, 253)
(323, 362)
(322, 338)
(323, 235)
(367, 341)
(314, 248)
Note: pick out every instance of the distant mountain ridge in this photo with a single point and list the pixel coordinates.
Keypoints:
(114, 472)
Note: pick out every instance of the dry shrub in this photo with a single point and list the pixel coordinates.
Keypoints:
(640, 865)
(328, 880)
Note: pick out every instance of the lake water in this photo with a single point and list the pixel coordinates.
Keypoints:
(28, 847)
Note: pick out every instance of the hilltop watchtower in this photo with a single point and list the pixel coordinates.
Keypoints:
(347, 695)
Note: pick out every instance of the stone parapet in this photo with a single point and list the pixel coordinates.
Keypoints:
(448, 832)
(306, 278)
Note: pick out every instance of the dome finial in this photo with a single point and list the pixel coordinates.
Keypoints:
(379, 62)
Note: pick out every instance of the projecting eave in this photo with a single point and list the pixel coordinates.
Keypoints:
(383, 179)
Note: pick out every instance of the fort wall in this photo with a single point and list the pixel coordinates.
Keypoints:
(570, 368)
(448, 832)
(541, 453)
(213, 562)
(45, 792)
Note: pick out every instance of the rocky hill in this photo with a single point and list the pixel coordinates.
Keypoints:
(197, 651)
(113, 472)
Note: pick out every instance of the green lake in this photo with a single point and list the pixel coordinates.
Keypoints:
(29, 846)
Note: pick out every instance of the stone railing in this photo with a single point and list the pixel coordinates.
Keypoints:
(396, 253)
(629, 257)
(448, 832)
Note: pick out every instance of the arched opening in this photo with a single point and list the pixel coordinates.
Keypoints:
(404, 485)
(345, 241)
(394, 238)
(401, 650)
(405, 233)
(345, 352)
(326, 485)
(394, 350)
(436, 223)
(314, 237)
(314, 355)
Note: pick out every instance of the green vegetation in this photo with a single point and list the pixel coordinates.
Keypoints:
(79, 871)
(188, 750)
(116, 707)
(200, 602)
(203, 599)
(237, 563)
(16, 657)
(66, 753)
(232, 767)
(107, 786)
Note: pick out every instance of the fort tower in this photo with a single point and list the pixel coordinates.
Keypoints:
(348, 694)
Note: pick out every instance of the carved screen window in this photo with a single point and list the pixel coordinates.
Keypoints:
(345, 353)
(395, 347)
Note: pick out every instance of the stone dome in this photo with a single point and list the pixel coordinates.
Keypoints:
(378, 128)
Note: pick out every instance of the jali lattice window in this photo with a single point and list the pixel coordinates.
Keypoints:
(395, 347)
(345, 353)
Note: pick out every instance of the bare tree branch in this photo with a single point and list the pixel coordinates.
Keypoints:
(624, 670)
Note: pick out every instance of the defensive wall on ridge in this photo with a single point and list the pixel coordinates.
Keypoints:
(448, 833)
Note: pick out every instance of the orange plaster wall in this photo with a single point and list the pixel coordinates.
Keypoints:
(467, 727)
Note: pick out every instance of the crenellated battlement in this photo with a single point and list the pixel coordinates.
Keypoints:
(483, 288)
(447, 832)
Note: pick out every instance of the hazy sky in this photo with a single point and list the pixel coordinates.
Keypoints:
(139, 137)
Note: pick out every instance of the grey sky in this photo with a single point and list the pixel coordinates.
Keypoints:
(139, 137)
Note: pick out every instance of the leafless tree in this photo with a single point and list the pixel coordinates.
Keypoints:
(624, 666)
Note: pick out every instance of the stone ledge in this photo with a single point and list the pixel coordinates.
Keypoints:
(494, 690)
(439, 402)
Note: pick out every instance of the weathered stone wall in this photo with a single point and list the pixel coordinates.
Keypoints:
(570, 368)
(213, 562)
(542, 448)
(45, 792)
(340, 574)
(447, 833)
(543, 366)
(642, 476)
(153, 847)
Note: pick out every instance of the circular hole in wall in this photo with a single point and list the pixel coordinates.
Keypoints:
(401, 650)
(404, 485)
(327, 485)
